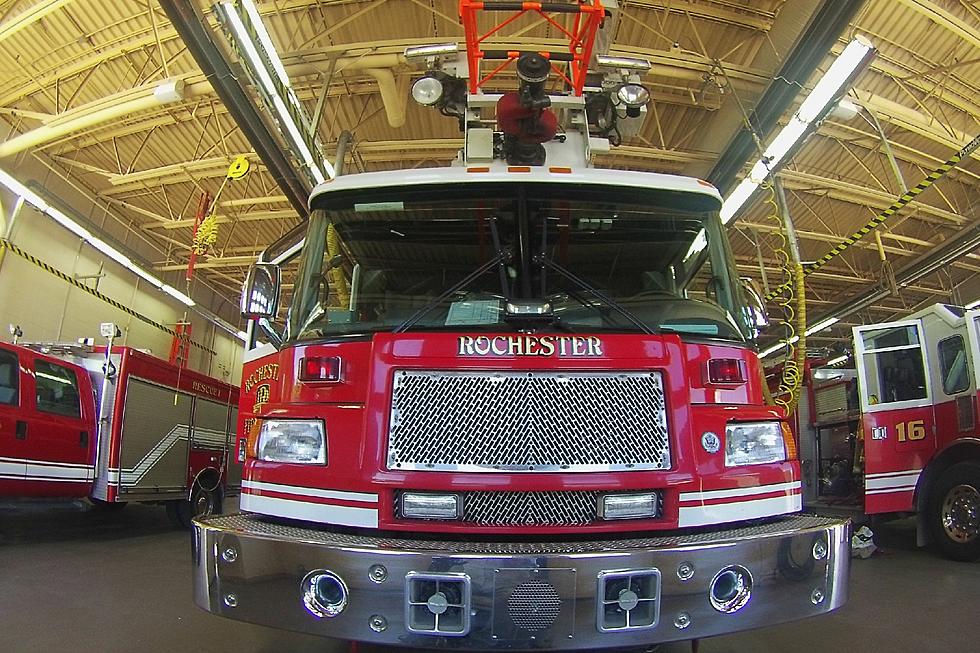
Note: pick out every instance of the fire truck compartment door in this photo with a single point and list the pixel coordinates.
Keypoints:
(13, 446)
(154, 440)
(214, 430)
(898, 419)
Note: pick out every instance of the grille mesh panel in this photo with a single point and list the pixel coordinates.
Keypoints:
(528, 421)
(526, 508)
(529, 508)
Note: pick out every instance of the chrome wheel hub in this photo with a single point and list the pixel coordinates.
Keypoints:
(961, 513)
(203, 506)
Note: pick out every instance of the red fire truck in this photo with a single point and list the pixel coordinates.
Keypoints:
(114, 424)
(516, 403)
(918, 381)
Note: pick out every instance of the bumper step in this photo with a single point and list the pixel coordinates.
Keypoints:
(496, 595)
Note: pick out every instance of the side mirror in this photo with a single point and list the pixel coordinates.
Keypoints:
(260, 295)
(755, 305)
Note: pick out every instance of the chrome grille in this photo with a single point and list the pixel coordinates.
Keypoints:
(527, 508)
(527, 421)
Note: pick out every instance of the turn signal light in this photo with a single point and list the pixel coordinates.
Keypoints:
(790, 441)
(725, 370)
(320, 369)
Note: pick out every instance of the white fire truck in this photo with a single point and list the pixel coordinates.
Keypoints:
(115, 424)
(517, 402)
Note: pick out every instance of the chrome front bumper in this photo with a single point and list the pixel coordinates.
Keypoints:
(540, 596)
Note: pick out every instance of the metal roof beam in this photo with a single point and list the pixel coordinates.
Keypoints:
(198, 37)
(36, 12)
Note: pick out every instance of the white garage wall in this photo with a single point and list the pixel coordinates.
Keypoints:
(50, 309)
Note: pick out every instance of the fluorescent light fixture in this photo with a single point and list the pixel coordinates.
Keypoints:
(242, 336)
(623, 63)
(23, 191)
(973, 304)
(838, 360)
(176, 294)
(258, 64)
(830, 85)
(111, 252)
(434, 50)
(779, 345)
(96, 243)
(69, 224)
(245, 41)
(827, 89)
(820, 326)
(265, 40)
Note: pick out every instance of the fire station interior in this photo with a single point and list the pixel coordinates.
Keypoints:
(153, 151)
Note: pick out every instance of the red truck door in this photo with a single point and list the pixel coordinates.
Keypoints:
(59, 431)
(13, 467)
(897, 412)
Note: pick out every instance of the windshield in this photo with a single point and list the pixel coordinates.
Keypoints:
(449, 257)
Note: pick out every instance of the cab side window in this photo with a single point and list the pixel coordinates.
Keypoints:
(57, 389)
(9, 378)
(953, 365)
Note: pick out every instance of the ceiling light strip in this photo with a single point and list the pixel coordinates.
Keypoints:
(252, 39)
(814, 106)
(97, 243)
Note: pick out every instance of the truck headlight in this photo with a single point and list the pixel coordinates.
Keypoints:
(292, 441)
(753, 443)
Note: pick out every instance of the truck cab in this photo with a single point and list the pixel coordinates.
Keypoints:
(47, 425)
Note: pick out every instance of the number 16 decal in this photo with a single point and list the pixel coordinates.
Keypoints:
(912, 431)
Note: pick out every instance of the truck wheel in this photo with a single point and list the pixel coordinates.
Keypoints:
(954, 512)
(203, 502)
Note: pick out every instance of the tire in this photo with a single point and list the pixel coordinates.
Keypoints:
(954, 512)
(203, 502)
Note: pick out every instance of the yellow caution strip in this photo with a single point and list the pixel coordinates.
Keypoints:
(877, 221)
(7, 245)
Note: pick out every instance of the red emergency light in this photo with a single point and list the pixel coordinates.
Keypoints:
(320, 369)
(725, 371)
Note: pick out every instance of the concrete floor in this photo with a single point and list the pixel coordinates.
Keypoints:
(75, 579)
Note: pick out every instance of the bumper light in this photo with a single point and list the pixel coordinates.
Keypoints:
(754, 443)
(417, 505)
(629, 506)
(292, 441)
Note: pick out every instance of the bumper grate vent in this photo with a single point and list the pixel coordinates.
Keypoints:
(437, 604)
(528, 421)
(628, 600)
(534, 605)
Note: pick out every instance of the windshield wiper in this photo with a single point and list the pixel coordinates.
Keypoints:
(499, 259)
(546, 262)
